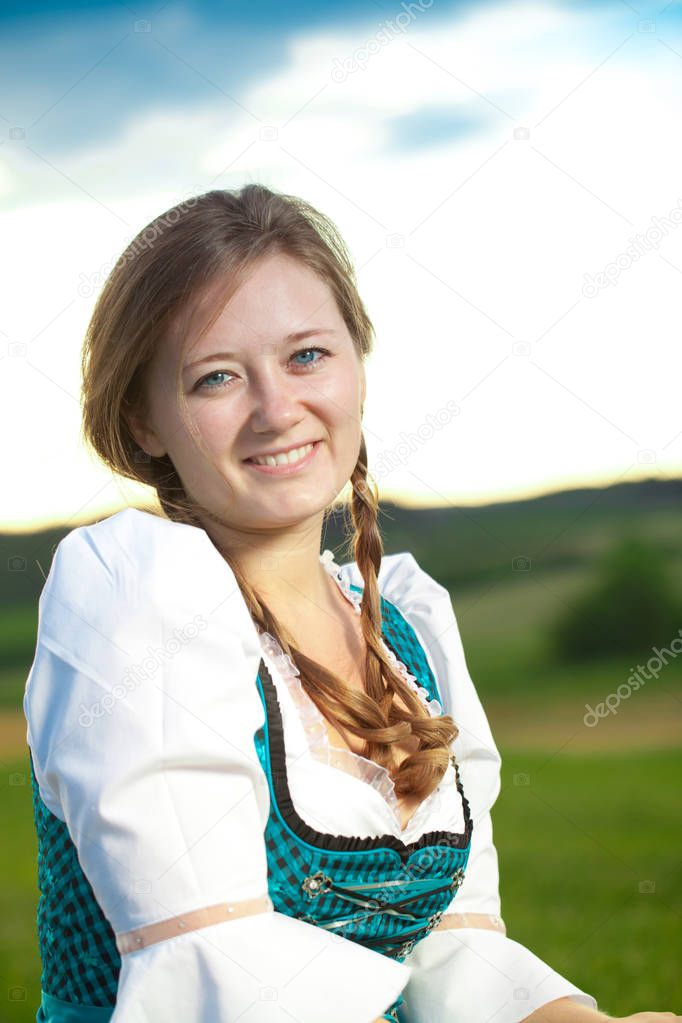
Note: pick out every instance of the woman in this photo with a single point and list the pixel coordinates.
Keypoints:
(262, 781)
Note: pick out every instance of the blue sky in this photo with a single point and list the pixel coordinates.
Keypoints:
(76, 71)
(513, 149)
(97, 63)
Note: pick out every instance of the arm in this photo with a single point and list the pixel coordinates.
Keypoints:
(141, 724)
(564, 1010)
(468, 968)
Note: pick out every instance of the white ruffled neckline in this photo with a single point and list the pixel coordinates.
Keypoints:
(314, 724)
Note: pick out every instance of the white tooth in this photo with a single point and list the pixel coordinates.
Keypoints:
(286, 458)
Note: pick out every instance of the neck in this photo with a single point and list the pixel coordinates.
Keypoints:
(287, 574)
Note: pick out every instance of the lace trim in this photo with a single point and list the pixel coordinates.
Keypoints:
(315, 728)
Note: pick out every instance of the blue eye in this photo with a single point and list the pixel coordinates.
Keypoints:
(304, 351)
(202, 383)
(216, 373)
(305, 366)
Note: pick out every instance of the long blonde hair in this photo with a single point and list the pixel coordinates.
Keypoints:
(212, 238)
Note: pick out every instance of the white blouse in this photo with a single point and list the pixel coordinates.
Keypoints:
(314, 765)
(142, 706)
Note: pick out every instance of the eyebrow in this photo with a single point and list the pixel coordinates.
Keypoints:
(299, 335)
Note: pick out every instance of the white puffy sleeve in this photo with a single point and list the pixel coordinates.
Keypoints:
(467, 973)
(142, 705)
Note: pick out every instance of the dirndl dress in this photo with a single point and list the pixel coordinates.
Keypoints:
(373, 894)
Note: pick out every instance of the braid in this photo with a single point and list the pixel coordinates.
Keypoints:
(419, 772)
(373, 715)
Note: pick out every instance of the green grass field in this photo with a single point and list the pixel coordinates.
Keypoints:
(575, 844)
(587, 825)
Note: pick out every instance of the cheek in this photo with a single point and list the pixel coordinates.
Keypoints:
(344, 399)
(207, 422)
(214, 421)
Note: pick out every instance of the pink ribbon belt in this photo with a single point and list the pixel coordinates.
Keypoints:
(485, 920)
(132, 941)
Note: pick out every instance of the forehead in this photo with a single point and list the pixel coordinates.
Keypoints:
(271, 299)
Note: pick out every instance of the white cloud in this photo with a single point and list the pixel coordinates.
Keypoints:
(518, 224)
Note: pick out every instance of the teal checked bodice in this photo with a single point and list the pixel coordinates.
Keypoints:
(380, 892)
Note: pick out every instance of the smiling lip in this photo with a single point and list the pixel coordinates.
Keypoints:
(281, 451)
(286, 469)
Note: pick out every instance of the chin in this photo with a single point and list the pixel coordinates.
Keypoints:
(293, 508)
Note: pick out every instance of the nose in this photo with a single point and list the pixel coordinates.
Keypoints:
(275, 403)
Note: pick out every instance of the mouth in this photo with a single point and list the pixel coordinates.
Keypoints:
(285, 463)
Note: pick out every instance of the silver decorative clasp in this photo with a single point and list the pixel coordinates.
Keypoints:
(316, 884)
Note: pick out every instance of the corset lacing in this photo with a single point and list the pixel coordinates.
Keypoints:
(320, 883)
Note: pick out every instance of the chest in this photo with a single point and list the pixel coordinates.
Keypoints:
(345, 657)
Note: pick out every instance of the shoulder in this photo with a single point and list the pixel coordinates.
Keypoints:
(409, 587)
(424, 603)
(144, 643)
(135, 595)
(138, 575)
(123, 540)
(102, 551)
(135, 555)
(400, 575)
(427, 605)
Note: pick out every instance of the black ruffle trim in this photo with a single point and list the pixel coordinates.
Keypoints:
(340, 843)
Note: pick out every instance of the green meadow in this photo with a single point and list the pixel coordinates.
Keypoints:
(588, 821)
(591, 879)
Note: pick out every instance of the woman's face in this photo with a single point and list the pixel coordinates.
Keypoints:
(270, 393)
